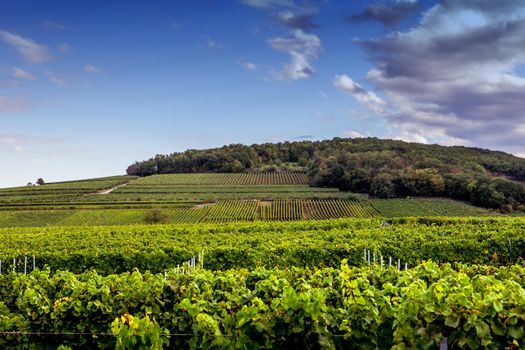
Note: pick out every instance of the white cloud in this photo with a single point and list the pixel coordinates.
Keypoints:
(366, 98)
(411, 137)
(249, 66)
(19, 73)
(10, 104)
(303, 48)
(297, 18)
(89, 68)
(30, 50)
(353, 134)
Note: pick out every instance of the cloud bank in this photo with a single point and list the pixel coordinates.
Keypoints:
(390, 14)
(455, 76)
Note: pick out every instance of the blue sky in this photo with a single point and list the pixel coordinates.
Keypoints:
(88, 88)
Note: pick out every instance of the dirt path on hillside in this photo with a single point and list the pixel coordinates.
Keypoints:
(109, 190)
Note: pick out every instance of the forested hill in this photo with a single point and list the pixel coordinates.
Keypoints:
(381, 168)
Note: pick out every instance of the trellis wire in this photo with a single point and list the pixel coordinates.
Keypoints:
(111, 334)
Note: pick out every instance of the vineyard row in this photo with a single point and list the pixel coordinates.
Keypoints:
(425, 307)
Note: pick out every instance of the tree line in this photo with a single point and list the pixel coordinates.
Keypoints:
(381, 168)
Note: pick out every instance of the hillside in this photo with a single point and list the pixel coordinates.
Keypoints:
(202, 198)
(380, 168)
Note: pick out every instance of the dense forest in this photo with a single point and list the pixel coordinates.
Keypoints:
(381, 168)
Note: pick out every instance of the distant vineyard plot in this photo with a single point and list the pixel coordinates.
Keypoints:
(284, 178)
(243, 210)
(129, 191)
(203, 198)
(219, 212)
(425, 207)
(67, 191)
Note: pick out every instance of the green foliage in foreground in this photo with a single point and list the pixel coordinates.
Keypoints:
(475, 307)
(115, 249)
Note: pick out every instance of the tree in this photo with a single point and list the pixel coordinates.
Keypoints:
(382, 186)
(156, 216)
(40, 181)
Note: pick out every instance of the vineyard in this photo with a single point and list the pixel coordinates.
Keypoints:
(192, 198)
(214, 179)
(232, 211)
(60, 191)
(425, 307)
(115, 249)
(129, 191)
(280, 265)
(424, 207)
(334, 284)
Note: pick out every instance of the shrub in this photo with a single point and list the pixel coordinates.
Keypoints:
(156, 216)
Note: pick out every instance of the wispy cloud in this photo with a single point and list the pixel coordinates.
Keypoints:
(302, 48)
(19, 73)
(10, 142)
(249, 66)
(48, 24)
(367, 99)
(297, 18)
(211, 43)
(389, 14)
(266, 4)
(30, 50)
(89, 68)
(13, 104)
(326, 117)
(16, 76)
(305, 137)
(174, 24)
(64, 48)
(55, 78)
